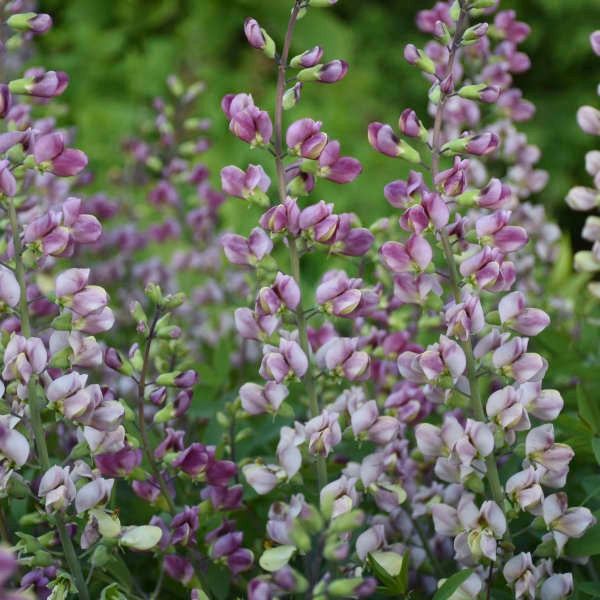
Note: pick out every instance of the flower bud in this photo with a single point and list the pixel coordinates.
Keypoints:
(419, 59)
(557, 587)
(330, 72)
(36, 23)
(258, 37)
(383, 139)
(588, 119)
(307, 59)
(291, 97)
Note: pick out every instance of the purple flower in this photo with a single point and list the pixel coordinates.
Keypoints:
(338, 169)
(250, 185)
(309, 58)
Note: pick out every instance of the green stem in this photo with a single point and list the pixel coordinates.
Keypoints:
(476, 402)
(435, 564)
(164, 488)
(35, 411)
(294, 254)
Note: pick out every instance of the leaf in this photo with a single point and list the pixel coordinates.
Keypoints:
(206, 375)
(274, 559)
(588, 544)
(391, 569)
(588, 411)
(118, 570)
(596, 448)
(452, 584)
(592, 588)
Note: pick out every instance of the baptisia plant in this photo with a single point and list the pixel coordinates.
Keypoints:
(483, 361)
(66, 439)
(450, 256)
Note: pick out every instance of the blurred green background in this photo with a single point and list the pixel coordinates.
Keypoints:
(119, 52)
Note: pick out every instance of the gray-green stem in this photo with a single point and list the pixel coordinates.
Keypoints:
(294, 254)
(164, 488)
(35, 409)
(475, 393)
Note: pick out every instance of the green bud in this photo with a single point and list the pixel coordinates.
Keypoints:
(291, 97)
(408, 153)
(455, 11)
(174, 300)
(309, 166)
(223, 420)
(493, 317)
(342, 588)
(313, 522)
(474, 484)
(164, 414)
(310, 74)
(321, 3)
(425, 63)
(20, 22)
(14, 42)
(137, 312)
(187, 148)
(472, 236)
(138, 474)
(244, 434)
(332, 546)
(346, 522)
(62, 322)
(16, 154)
(479, 4)
(286, 411)
(472, 92)
(435, 94)
(80, 450)
(154, 292)
(167, 379)
(137, 360)
(457, 145)
(129, 413)
(467, 199)
(299, 536)
(154, 163)
(175, 85)
(269, 49)
(260, 198)
(445, 38)
(62, 359)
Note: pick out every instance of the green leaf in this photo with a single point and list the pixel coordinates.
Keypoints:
(592, 588)
(452, 584)
(118, 570)
(391, 569)
(588, 544)
(596, 448)
(206, 375)
(274, 559)
(588, 410)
